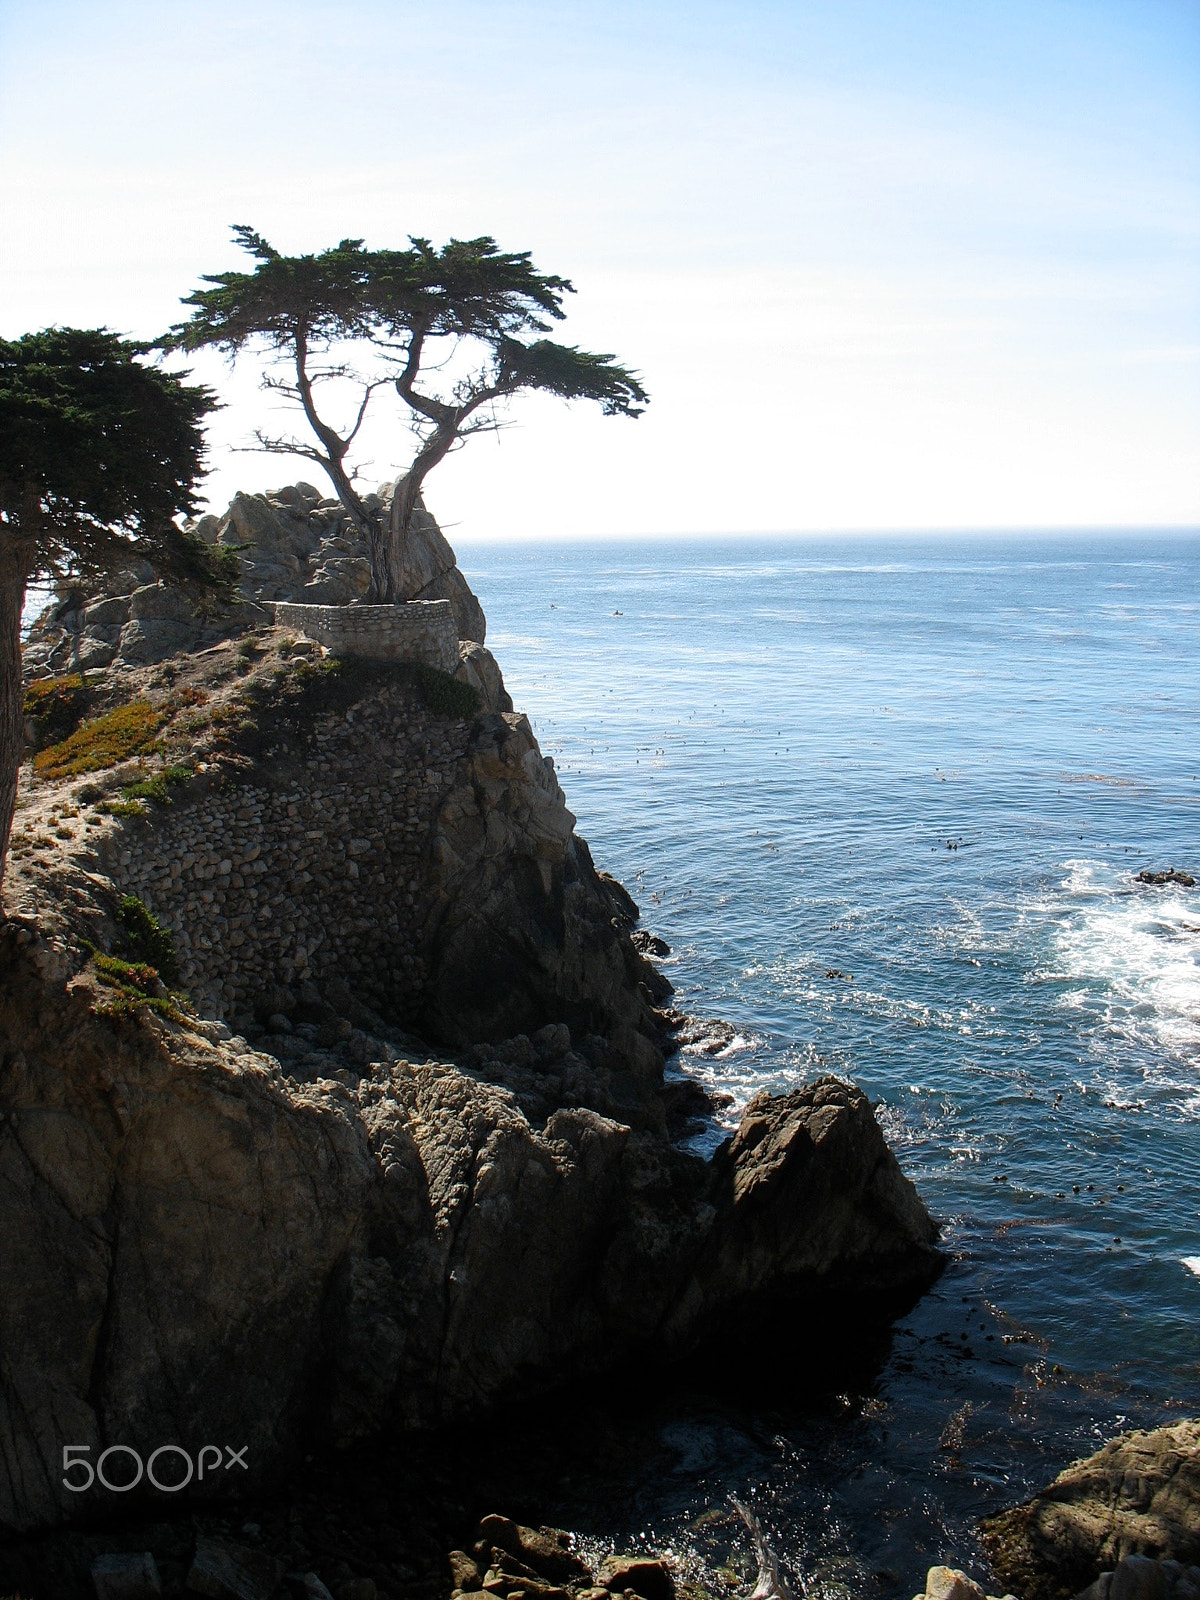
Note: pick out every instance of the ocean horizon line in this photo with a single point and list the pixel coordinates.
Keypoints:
(996, 532)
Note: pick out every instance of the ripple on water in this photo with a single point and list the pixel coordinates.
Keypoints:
(887, 802)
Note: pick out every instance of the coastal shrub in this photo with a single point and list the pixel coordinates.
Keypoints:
(135, 988)
(119, 734)
(446, 696)
(147, 942)
(227, 566)
(308, 671)
(134, 985)
(122, 808)
(189, 695)
(132, 974)
(155, 788)
(232, 721)
(57, 705)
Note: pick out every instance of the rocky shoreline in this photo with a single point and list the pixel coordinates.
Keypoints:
(404, 1153)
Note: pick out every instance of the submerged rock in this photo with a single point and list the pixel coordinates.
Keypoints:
(1142, 1578)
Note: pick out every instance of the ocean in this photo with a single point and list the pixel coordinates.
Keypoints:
(886, 799)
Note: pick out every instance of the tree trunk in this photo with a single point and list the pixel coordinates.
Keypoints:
(14, 573)
(404, 502)
(395, 544)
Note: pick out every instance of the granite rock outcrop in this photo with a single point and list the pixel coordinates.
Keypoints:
(294, 546)
(206, 1249)
(1138, 1496)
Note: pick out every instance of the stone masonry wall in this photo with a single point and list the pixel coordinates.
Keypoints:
(422, 630)
(308, 869)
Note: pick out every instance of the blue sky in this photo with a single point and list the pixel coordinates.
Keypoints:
(882, 265)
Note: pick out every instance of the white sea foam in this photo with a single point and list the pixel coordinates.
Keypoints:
(1131, 956)
(1192, 1263)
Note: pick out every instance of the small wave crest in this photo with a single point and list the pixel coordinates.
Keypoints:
(1129, 955)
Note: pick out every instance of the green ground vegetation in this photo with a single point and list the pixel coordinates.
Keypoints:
(128, 730)
(146, 941)
(57, 706)
(446, 696)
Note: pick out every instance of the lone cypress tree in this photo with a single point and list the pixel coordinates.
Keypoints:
(99, 452)
(466, 306)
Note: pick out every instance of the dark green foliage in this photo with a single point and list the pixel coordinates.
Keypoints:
(136, 974)
(155, 788)
(136, 986)
(569, 373)
(146, 941)
(446, 696)
(57, 706)
(466, 289)
(98, 453)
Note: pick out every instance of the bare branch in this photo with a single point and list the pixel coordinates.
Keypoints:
(368, 390)
(283, 447)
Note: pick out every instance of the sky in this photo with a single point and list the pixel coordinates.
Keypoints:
(882, 264)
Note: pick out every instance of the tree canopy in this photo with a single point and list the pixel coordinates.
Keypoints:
(466, 305)
(99, 453)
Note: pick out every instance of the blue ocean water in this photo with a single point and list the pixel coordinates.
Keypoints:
(886, 800)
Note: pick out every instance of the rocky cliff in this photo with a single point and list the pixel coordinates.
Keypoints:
(294, 546)
(331, 1080)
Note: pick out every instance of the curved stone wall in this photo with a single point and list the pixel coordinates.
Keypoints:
(421, 630)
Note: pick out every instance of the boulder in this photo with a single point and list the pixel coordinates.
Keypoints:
(156, 602)
(106, 613)
(152, 639)
(207, 528)
(126, 1577)
(478, 667)
(646, 1576)
(950, 1583)
(95, 652)
(252, 520)
(226, 1571)
(337, 580)
(1139, 1495)
(464, 1572)
(468, 613)
(1142, 1578)
(815, 1153)
(545, 1551)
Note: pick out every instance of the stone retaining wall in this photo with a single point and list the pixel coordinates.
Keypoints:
(311, 868)
(421, 630)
